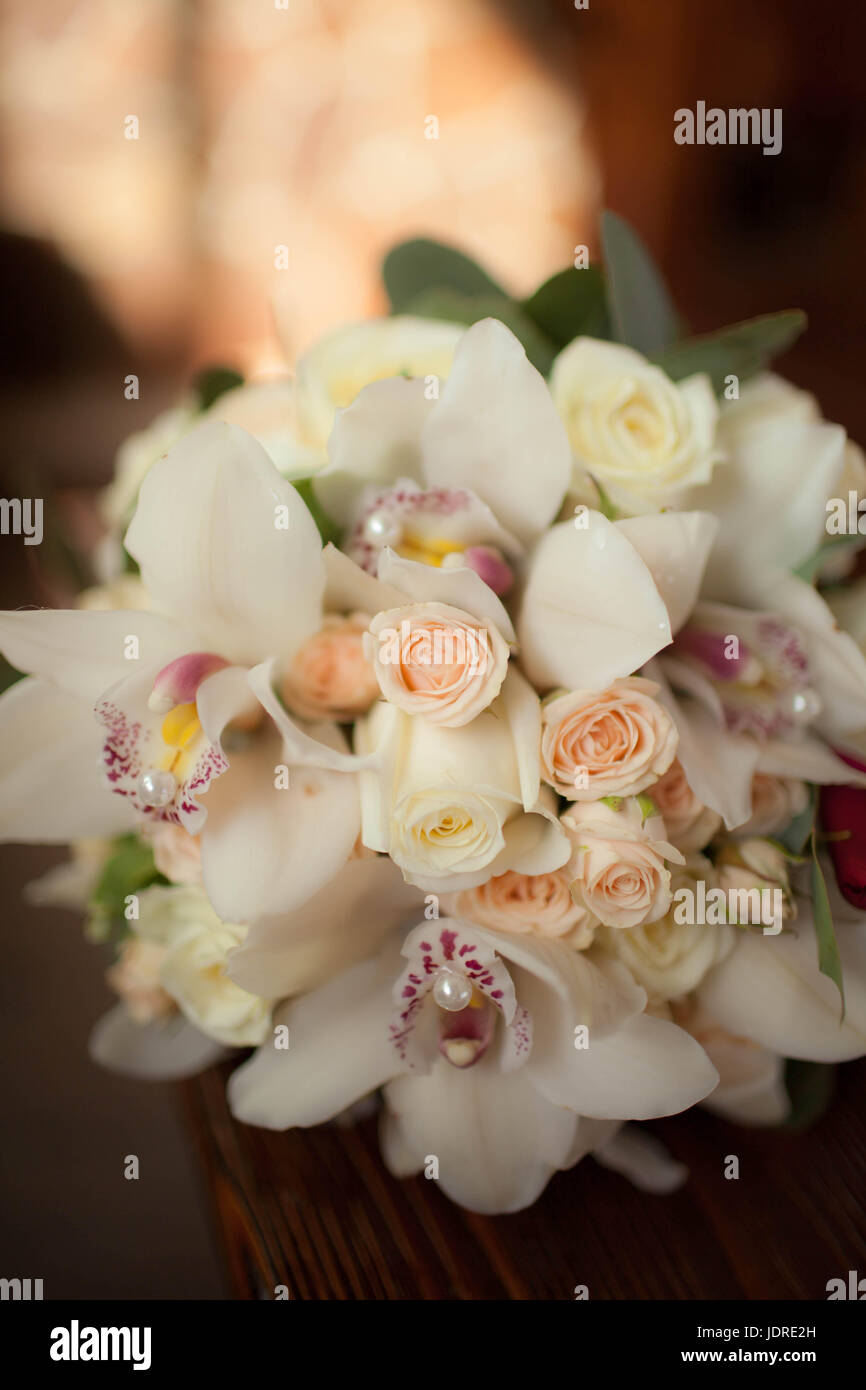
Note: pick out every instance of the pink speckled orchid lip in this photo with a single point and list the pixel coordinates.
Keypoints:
(134, 744)
(440, 521)
(456, 947)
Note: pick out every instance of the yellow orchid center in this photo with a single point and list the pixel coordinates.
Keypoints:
(427, 550)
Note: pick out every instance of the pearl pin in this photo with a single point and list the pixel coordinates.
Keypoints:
(156, 788)
(451, 990)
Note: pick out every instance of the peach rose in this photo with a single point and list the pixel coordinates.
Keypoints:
(176, 853)
(775, 803)
(690, 825)
(135, 977)
(618, 870)
(612, 742)
(537, 903)
(436, 661)
(330, 676)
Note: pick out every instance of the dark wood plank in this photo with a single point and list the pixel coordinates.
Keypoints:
(317, 1211)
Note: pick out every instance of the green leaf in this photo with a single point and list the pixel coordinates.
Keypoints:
(614, 802)
(213, 382)
(8, 674)
(455, 307)
(571, 304)
(797, 833)
(740, 350)
(414, 267)
(129, 869)
(641, 311)
(811, 567)
(810, 1086)
(829, 959)
(648, 808)
(328, 529)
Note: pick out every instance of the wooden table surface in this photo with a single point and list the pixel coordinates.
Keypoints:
(316, 1211)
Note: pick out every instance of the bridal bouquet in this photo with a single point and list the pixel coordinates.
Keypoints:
(473, 718)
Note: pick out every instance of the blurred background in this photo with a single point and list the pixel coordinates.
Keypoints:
(260, 124)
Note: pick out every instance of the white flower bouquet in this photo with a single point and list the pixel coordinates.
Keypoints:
(447, 723)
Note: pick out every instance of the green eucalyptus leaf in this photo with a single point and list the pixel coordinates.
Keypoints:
(811, 567)
(641, 310)
(810, 1087)
(328, 529)
(414, 267)
(213, 382)
(129, 869)
(454, 307)
(571, 304)
(740, 350)
(795, 837)
(829, 959)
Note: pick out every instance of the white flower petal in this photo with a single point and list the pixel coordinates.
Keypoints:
(215, 550)
(349, 589)
(51, 784)
(674, 546)
(837, 663)
(591, 613)
(461, 588)
(168, 1049)
(770, 990)
(810, 760)
(84, 651)
(498, 1141)
(267, 849)
(375, 441)
(643, 1159)
(339, 1050)
(495, 431)
(341, 924)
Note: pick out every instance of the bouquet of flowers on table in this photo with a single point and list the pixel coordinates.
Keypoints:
(473, 718)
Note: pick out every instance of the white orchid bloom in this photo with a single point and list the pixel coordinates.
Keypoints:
(232, 564)
(783, 462)
(771, 991)
(479, 1043)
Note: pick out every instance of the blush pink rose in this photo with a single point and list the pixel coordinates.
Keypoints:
(176, 853)
(689, 824)
(437, 662)
(618, 868)
(537, 903)
(613, 742)
(330, 676)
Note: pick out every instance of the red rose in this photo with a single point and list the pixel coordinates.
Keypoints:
(844, 809)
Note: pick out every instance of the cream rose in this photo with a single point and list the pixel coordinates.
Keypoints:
(643, 436)
(436, 661)
(612, 742)
(755, 865)
(536, 903)
(453, 806)
(689, 824)
(670, 958)
(330, 676)
(775, 803)
(195, 945)
(618, 868)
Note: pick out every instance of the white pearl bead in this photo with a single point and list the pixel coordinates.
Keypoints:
(382, 528)
(156, 788)
(805, 705)
(451, 990)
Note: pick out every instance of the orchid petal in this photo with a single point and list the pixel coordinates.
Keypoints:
(375, 441)
(167, 1049)
(773, 992)
(340, 1050)
(643, 1159)
(497, 1139)
(303, 749)
(838, 666)
(51, 786)
(461, 588)
(496, 431)
(675, 547)
(591, 613)
(226, 544)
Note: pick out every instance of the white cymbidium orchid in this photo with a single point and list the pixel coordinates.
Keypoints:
(783, 462)
(232, 564)
(504, 1057)
(471, 482)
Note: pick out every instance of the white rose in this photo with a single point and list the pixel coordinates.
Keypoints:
(436, 661)
(618, 862)
(670, 958)
(331, 374)
(643, 436)
(454, 806)
(193, 969)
